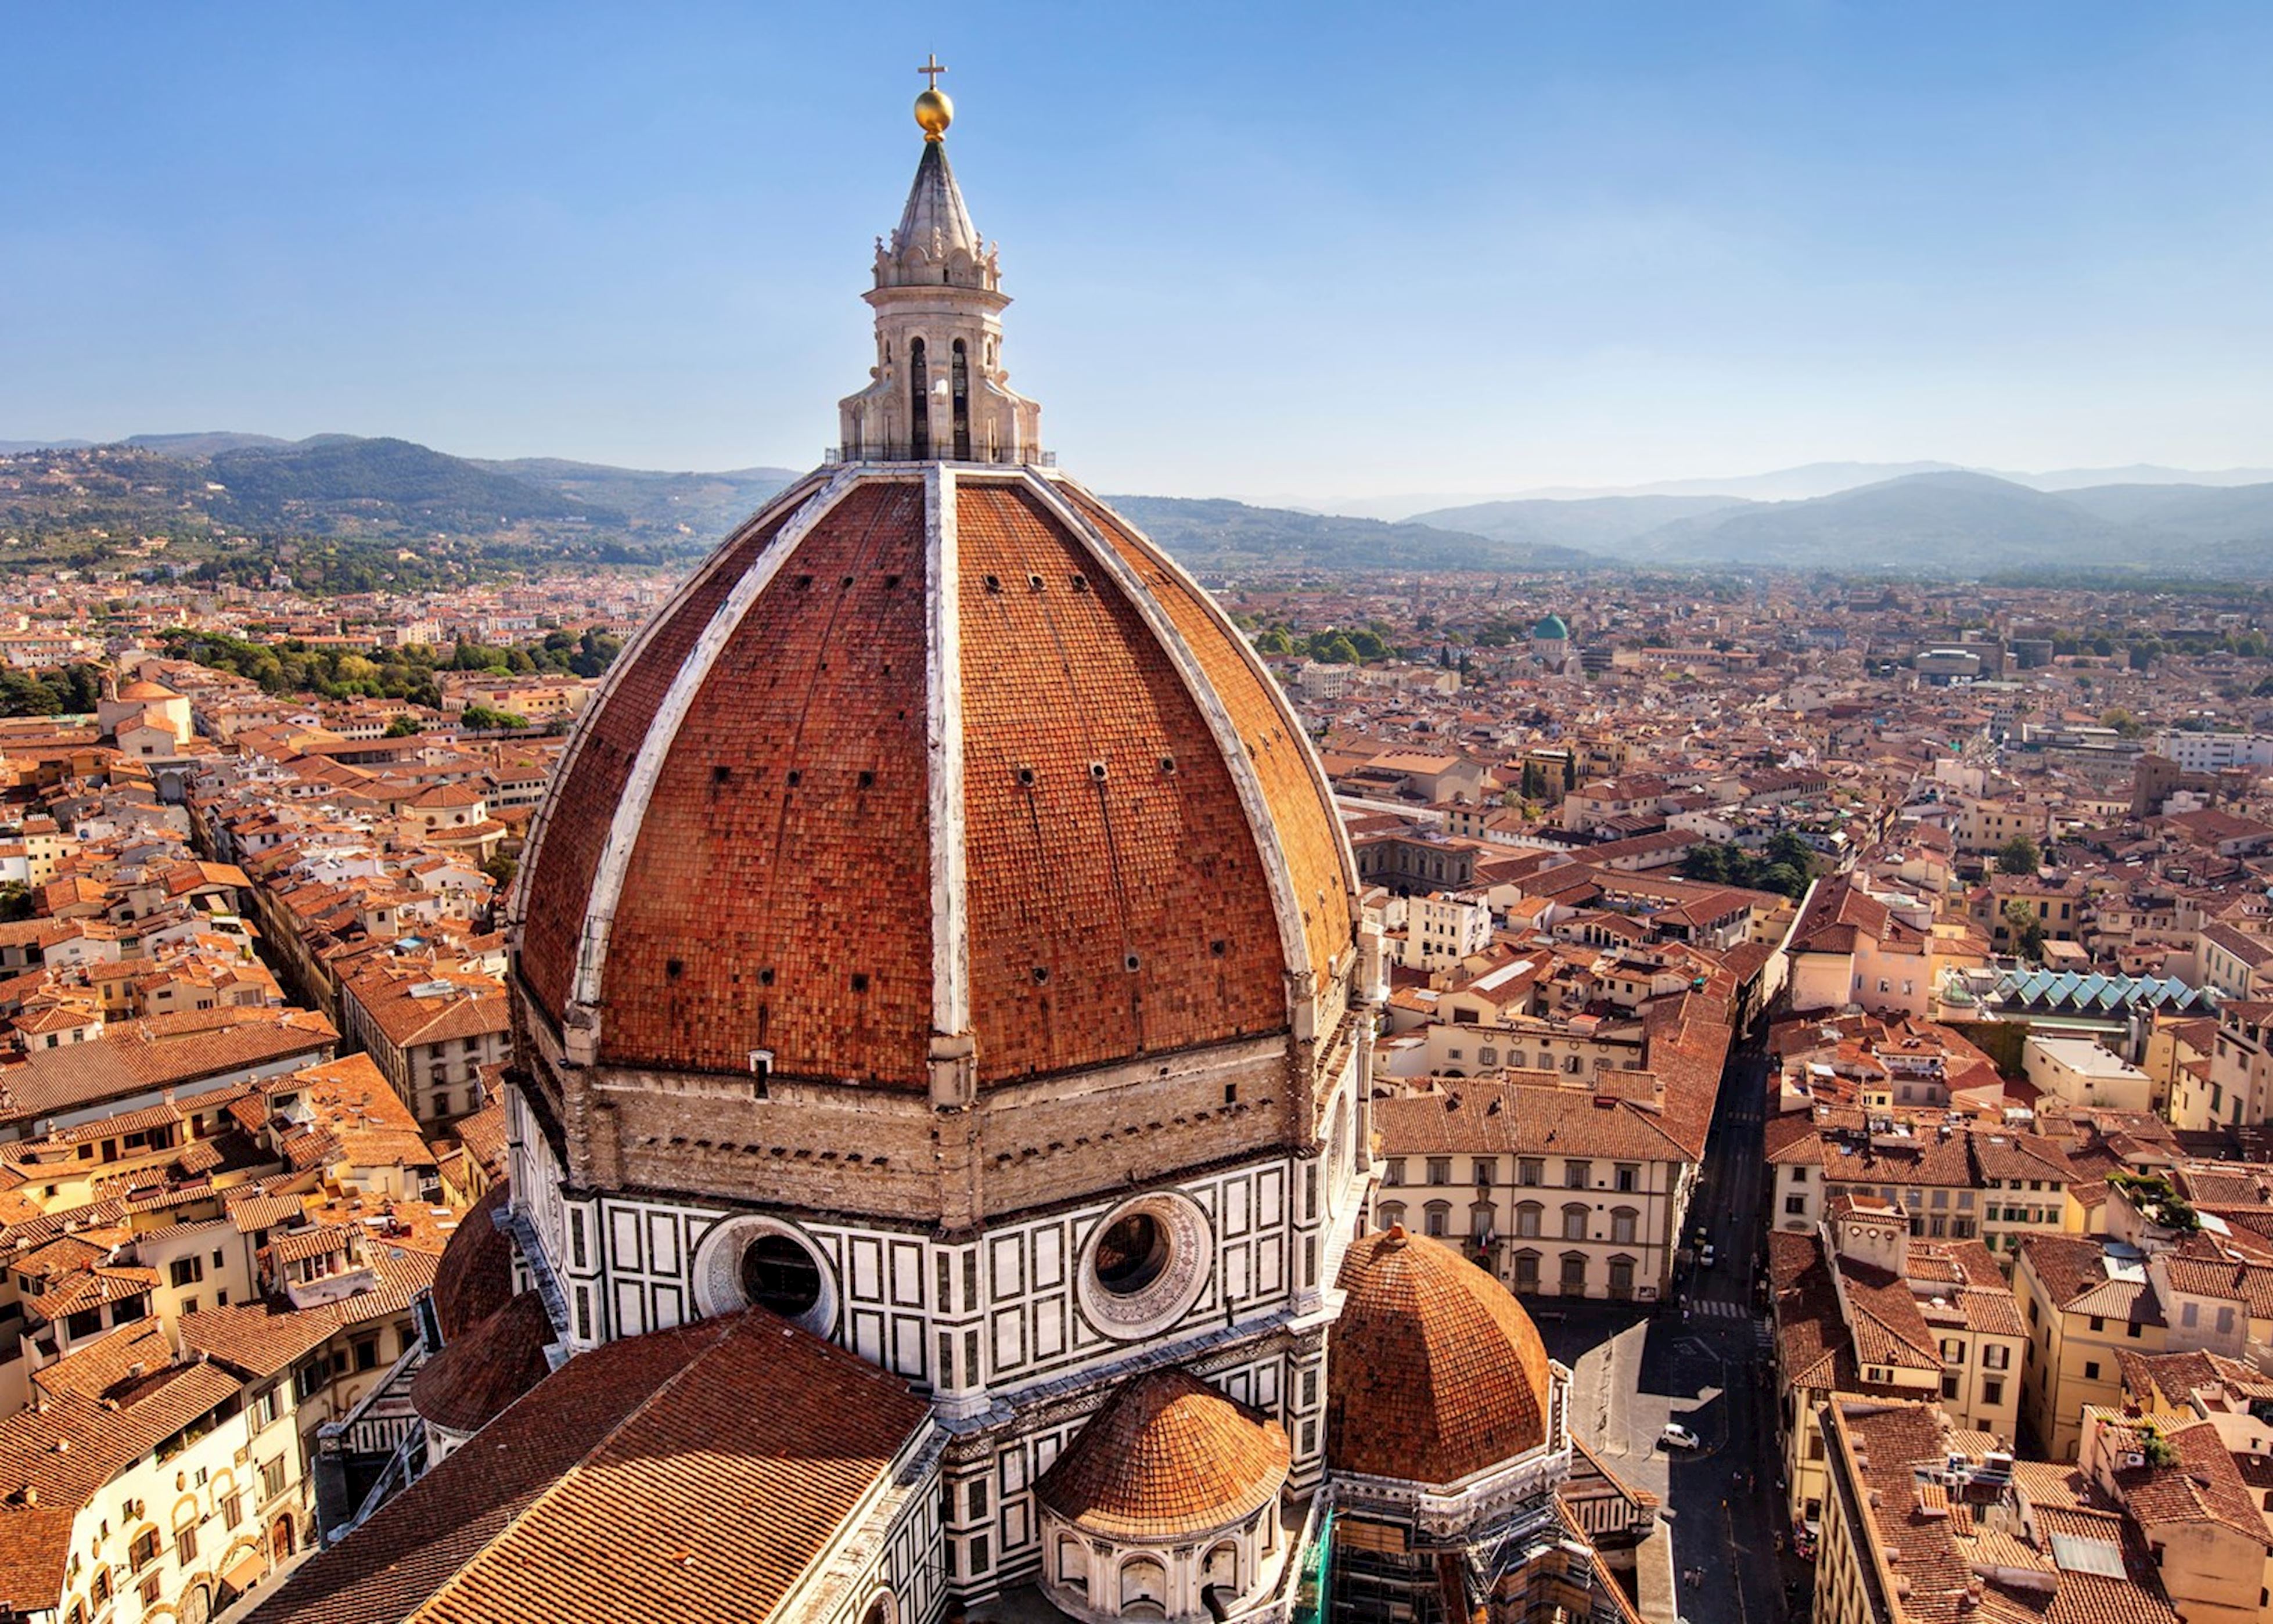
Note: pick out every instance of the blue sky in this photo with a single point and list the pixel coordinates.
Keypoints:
(1289, 250)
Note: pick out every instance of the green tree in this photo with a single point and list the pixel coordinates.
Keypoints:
(2018, 856)
(15, 902)
(482, 719)
(2027, 931)
(2122, 721)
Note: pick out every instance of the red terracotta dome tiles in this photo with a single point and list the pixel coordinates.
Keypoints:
(583, 803)
(1103, 828)
(1166, 1454)
(1306, 830)
(778, 895)
(1435, 1372)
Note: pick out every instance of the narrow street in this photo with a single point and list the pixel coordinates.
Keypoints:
(1704, 1361)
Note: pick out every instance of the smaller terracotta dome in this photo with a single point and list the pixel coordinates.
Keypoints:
(479, 1373)
(1434, 1372)
(475, 1278)
(1166, 1454)
(147, 690)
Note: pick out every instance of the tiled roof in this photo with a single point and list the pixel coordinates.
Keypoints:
(687, 1474)
(485, 1367)
(475, 1278)
(1436, 1373)
(1117, 900)
(1166, 1456)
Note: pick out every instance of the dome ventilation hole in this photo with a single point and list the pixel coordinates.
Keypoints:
(1041, 975)
(994, 583)
(891, 583)
(1131, 963)
(1034, 582)
(859, 981)
(796, 777)
(766, 977)
(1026, 776)
(1218, 946)
(1168, 766)
(1097, 771)
(867, 780)
(1081, 583)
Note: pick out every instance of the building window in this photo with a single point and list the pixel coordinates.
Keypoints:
(1487, 1169)
(1622, 1276)
(2091, 1370)
(272, 1477)
(1574, 1223)
(1576, 1175)
(1438, 1216)
(1391, 1215)
(1395, 1173)
(1794, 1204)
(185, 1545)
(1627, 1178)
(1992, 1391)
(1526, 1271)
(1530, 1172)
(1948, 1385)
(1574, 1273)
(1440, 1170)
(1622, 1221)
(1526, 1218)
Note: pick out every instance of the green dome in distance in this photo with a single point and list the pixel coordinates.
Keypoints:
(1550, 629)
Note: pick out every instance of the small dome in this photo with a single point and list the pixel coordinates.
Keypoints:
(147, 692)
(481, 1371)
(475, 1278)
(1435, 1372)
(1550, 629)
(1166, 1456)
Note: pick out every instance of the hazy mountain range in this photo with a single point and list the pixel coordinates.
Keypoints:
(1925, 518)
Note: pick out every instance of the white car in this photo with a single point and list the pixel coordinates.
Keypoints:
(1676, 1436)
(1705, 1258)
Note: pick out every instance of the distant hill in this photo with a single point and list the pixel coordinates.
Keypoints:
(1220, 534)
(332, 484)
(1599, 524)
(208, 445)
(702, 504)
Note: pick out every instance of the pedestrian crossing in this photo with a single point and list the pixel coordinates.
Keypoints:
(1722, 1311)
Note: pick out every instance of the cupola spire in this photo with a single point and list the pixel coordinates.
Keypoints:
(939, 392)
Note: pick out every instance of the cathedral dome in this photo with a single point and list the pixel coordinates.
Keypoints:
(485, 1367)
(1167, 1456)
(1550, 629)
(475, 1276)
(1435, 1373)
(933, 753)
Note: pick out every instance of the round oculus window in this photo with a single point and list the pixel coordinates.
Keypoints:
(779, 1274)
(1131, 1253)
(1144, 1265)
(763, 1262)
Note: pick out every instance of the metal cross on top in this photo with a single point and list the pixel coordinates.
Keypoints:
(932, 68)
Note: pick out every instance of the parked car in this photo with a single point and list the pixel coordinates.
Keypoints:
(1676, 1436)
(1704, 1258)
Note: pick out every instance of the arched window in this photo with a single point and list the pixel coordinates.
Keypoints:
(960, 384)
(1575, 1221)
(1622, 1276)
(1528, 1217)
(1574, 1273)
(1526, 1271)
(1440, 1213)
(919, 401)
(1073, 1562)
(1143, 1589)
(1623, 1220)
(1479, 1220)
(1221, 1570)
(1389, 1214)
